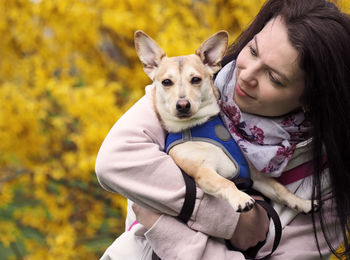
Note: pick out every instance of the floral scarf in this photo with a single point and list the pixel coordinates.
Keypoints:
(268, 143)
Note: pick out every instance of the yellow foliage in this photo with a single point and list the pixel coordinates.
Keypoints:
(68, 71)
(9, 232)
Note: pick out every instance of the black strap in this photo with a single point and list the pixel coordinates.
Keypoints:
(154, 256)
(188, 206)
(246, 184)
(252, 252)
(277, 223)
(190, 199)
(243, 183)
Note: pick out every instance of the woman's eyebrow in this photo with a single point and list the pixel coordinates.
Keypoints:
(256, 44)
(281, 74)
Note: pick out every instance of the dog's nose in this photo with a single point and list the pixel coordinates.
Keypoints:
(183, 106)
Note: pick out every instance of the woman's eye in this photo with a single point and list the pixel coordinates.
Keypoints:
(167, 83)
(253, 51)
(274, 80)
(196, 80)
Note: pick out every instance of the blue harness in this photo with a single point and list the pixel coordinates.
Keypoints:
(214, 132)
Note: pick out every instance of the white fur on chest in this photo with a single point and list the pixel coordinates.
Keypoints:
(208, 155)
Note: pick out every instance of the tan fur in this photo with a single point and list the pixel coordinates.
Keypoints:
(205, 162)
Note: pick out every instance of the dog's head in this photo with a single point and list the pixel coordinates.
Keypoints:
(184, 90)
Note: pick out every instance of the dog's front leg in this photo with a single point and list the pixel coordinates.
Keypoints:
(193, 159)
(277, 192)
(212, 183)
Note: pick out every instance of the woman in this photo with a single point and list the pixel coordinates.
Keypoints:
(289, 70)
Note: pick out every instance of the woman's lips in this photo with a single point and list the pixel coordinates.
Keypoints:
(241, 92)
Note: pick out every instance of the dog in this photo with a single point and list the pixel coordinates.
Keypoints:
(184, 96)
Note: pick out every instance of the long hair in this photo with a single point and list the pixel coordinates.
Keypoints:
(321, 35)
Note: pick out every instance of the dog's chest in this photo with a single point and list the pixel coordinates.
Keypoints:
(210, 142)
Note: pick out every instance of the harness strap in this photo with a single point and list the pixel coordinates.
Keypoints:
(190, 199)
(277, 223)
(154, 256)
(250, 253)
(243, 183)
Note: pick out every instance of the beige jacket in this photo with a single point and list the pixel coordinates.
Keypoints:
(131, 162)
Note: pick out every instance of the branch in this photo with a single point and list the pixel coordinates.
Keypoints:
(9, 174)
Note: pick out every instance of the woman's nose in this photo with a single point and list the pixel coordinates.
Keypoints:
(249, 75)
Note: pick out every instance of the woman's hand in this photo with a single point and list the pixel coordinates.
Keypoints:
(251, 228)
(145, 216)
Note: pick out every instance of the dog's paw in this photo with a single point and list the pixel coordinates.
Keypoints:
(316, 205)
(240, 201)
(248, 206)
(306, 206)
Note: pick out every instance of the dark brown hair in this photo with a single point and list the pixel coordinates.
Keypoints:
(321, 35)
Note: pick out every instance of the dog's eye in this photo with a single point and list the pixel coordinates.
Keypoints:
(167, 82)
(196, 80)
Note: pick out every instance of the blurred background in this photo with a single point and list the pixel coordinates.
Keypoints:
(68, 71)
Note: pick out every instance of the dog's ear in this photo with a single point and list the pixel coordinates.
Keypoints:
(213, 50)
(149, 52)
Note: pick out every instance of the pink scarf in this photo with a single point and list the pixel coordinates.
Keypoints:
(268, 143)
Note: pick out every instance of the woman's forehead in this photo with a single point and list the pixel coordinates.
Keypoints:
(276, 50)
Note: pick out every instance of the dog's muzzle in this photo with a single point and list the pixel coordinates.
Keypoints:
(183, 108)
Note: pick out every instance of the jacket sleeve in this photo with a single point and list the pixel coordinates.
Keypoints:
(171, 239)
(131, 162)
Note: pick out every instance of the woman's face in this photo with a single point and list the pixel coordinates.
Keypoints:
(269, 79)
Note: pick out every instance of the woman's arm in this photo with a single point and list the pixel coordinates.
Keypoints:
(251, 229)
(131, 162)
(183, 243)
(172, 240)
